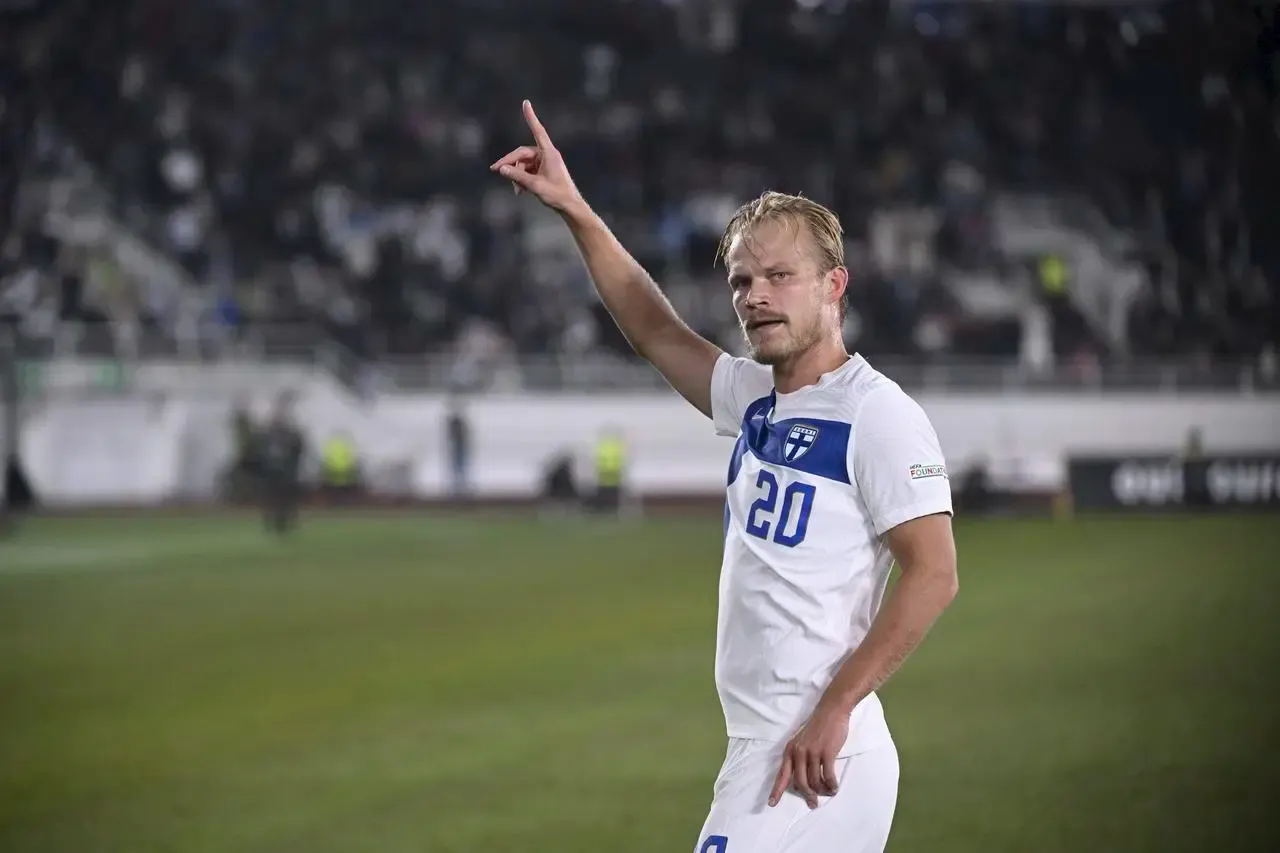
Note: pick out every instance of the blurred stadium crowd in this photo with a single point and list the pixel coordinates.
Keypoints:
(1060, 184)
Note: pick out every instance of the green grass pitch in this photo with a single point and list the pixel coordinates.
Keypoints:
(463, 684)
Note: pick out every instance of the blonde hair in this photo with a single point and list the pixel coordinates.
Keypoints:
(821, 223)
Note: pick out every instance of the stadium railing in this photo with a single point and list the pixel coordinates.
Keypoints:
(309, 345)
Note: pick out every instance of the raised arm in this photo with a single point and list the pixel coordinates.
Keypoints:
(652, 327)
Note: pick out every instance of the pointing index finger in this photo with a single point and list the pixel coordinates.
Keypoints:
(540, 135)
(783, 779)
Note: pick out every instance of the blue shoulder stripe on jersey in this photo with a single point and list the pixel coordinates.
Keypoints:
(813, 445)
(735, 461)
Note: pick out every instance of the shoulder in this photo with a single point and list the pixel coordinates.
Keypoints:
(735, 384)
(743, 374)
(883, 418)
(894, 454)
(867, 395)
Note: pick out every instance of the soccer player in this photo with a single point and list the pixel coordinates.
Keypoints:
(836, 473)
(281, 450)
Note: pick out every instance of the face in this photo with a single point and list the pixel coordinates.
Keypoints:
(785, 304)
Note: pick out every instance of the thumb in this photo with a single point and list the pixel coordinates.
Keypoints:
(521, 178)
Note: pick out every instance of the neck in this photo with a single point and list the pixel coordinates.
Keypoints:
(809, 366)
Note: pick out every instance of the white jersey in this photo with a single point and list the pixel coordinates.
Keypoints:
(817, 477)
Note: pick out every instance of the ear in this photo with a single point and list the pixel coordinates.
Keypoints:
(838, 280)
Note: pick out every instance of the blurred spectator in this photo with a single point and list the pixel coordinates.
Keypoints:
(328, 168)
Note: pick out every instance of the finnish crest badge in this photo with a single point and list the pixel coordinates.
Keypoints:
(799, 440)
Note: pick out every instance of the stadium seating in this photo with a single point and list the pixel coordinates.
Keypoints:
(327, 169)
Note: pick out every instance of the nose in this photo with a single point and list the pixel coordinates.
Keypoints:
(757, 293)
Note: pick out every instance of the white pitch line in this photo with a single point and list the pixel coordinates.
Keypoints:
(88, 557)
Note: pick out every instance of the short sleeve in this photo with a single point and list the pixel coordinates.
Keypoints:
(897, 460)
(735, 384)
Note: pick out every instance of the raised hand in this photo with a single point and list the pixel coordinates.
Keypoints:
(540, 169)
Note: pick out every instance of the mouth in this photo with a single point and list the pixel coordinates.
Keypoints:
(756, 325)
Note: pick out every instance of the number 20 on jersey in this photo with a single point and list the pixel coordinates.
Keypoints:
(787, 525)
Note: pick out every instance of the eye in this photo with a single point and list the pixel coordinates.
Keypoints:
(779, 275)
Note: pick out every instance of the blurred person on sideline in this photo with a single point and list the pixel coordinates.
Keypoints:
(243, 472)
(340, 468)
(559, 495)
(836, 474)
(281, 450)
(458, 447)
(1193, 446)
(1195, 471)
(611, 472)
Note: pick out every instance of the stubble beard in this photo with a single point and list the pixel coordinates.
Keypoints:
(781, 352)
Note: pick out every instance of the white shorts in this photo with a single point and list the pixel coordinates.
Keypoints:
(855, 820)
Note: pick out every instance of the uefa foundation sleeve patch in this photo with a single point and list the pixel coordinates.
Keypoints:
(924, 472)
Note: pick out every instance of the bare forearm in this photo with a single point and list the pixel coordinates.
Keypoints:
(646, 318)
(905, 617)
(631, 296)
